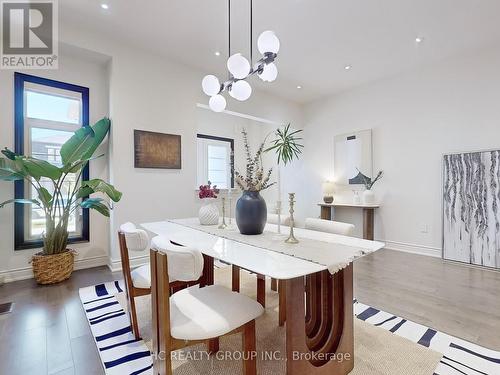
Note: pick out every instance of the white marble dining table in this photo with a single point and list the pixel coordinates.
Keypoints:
(319, 337)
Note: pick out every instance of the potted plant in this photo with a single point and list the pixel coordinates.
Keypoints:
(251, 209)
(209, 213)
(55, 262)
(368, 194)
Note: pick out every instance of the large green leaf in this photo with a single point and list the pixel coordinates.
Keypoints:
(79, 164)
(84, 142)
(37, 168)
(22, 201)
(9, 171)
(99, 186)
(45, 196)
(96, 204)
(10, 154)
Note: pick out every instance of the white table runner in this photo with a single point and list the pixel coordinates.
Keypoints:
(332, 251)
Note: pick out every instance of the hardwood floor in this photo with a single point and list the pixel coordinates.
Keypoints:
(47, 333)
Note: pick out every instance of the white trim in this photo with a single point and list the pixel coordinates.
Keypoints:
(115, 265)
(243, 115)
(413, 248)
(23, 273)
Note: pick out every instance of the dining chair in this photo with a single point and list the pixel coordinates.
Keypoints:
(138, 280)
(195, 315)
(273, 219)
(329, 226)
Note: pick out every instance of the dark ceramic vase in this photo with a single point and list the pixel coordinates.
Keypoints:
(251, 213)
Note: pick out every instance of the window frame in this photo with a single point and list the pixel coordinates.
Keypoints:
(222, 139)
(20, 242)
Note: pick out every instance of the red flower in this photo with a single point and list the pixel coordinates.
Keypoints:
(207, 191)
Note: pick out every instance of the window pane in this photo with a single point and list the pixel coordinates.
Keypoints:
(219, 152)
(217, 164)
(218, 178)
(45, 106)
(46, 145)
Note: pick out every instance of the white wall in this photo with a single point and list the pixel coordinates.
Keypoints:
(150, 93)
(416, 118)
(77, 67)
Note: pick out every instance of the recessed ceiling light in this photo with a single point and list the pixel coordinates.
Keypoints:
(217, 53)
(419, 39)
(347, 67)
(104, 6)
(299, 87)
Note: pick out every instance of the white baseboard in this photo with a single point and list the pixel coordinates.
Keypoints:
(413, 248)
(115, 265)
(27, 272)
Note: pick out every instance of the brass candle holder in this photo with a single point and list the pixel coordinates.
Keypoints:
(223, 224)
(291, 238)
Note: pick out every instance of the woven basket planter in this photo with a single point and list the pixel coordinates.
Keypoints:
(51, 269)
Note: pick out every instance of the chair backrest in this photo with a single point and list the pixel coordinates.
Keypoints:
(160, 306)
(130, 238)
(136, 239)
(184, 263)
(273, 219)
(329, 226)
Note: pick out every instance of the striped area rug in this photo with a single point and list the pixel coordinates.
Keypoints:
(122, 354)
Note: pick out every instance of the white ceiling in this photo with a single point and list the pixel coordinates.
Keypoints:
(318, 37)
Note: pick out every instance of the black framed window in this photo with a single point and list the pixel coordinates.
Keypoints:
(215, 155)
(47, 113)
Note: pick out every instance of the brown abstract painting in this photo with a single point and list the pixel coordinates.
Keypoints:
(157, 150)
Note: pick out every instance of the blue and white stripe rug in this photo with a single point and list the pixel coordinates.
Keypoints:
(121, 354)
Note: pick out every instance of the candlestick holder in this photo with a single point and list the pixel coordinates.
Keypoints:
(223, 224)
(291, 238)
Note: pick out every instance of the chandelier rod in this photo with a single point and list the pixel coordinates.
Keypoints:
(251, 33)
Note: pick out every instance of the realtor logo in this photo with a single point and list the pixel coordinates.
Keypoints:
(29, 34)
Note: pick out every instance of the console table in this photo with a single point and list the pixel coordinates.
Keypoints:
(368, 215)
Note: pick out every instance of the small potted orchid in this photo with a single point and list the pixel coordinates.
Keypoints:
(209, 212)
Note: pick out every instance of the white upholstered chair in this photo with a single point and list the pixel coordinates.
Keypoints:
(273, 219)
(329, 226)
(138, 280)
(195, 315)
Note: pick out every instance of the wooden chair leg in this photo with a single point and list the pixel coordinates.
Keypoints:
(261, 290)
(133, 316)
(282, 302)
(236, 278)
(274, 285)
(213, 345)
(249, 349)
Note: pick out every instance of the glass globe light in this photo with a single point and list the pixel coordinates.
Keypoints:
(268, 42)
(240, 90)
(210, 85)
(269, 73)
(217, 103)
(238, 66)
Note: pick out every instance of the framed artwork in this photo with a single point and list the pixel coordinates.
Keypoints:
(352, 154)
(471, 208)
(157, 150)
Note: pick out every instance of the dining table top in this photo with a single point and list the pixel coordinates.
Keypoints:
(267, 254)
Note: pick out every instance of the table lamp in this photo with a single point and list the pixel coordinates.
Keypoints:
(328, 190)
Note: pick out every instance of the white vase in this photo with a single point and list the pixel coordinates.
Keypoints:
(209, 213)
(368, 197)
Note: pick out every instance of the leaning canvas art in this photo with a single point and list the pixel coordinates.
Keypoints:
(471, 208)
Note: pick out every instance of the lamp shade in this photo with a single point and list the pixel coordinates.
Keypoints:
(269, 73)
(210, 85)
(240, 90)
(238, 66)
(328, 188)
(217, 103)
(268, 42)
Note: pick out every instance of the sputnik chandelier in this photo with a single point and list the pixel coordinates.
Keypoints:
(240, 68)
